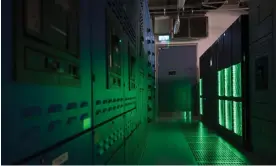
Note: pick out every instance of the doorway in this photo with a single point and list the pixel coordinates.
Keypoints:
(177, 75)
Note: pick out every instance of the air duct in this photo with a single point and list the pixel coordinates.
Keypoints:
(180, 5)
(176, 25)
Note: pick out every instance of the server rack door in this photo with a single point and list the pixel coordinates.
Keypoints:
(108, 71)
(209, 85)
(204, 68)
(243, 25)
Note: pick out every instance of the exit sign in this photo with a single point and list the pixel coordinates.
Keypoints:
(164, 38)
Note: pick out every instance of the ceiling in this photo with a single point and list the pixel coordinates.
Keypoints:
(191, 7)
(219, 19)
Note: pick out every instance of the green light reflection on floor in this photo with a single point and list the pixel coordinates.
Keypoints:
(210, 149)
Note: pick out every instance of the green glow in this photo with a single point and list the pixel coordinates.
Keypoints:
(237, 117)
(185, 115)
(227, 80)
(200, 87)
(86, 123)
(201, 106)
(237, 80)
(221, 112)
(221, 83)
(228, 115)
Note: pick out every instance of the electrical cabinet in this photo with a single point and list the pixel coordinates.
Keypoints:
(120, 89)
(99, 112)
(73, 152)
(108, 138)
(230, 52)
(46, 47)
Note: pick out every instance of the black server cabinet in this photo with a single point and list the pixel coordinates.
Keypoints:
(207, 85)
(227, 78)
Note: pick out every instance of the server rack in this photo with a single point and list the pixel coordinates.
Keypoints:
(232, 111)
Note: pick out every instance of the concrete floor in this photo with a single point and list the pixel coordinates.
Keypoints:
(180, 142)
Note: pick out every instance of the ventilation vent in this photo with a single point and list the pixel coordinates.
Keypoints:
(141, 16)
(193, 27)
(117, 8)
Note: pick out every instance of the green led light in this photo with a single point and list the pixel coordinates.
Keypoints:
(235, 112)
(228, 115)
(86, 123)
(201, 106)
(200, 87)
(221, 83)
(200, 97)
(236, 72)
(221, 112)
(227, 80)
(237, 117)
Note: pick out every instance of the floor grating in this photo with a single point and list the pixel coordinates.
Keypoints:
(209, 149)
(202, 139)
(221, 163)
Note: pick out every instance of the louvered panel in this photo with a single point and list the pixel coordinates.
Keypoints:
(120, 13)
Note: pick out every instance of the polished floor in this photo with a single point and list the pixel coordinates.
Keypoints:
(182, 142)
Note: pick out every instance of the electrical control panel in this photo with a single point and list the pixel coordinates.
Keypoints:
(47, 42)
(108, 138)
(73, 152)
(84, 84)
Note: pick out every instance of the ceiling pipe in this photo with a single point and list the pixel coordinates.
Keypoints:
(200, 10)
(180, 5)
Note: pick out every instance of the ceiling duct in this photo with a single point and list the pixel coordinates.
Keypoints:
(180, 5)
(163, 25)
(192, 28)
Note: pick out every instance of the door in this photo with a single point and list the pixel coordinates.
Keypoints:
(177, 74)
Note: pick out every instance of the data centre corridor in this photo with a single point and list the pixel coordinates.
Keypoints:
(138, 82)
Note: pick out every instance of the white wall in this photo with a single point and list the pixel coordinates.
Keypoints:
(219, 21)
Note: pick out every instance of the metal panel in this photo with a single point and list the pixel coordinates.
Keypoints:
(236, 42)
(198, 27)
(175, 91)
(77, 151)
(50, 120)
(48, 33)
